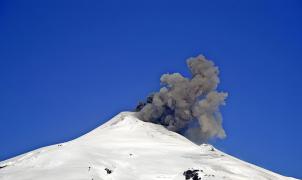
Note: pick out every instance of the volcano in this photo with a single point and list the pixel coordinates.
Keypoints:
(126, 148)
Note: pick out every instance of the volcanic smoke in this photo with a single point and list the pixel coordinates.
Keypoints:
(189, 106)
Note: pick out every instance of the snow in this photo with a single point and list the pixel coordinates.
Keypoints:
(132, 150)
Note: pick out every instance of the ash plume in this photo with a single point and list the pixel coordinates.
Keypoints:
(189, 106)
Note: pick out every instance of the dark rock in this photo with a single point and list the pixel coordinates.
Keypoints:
(192, 174)
(108, 171)
(2, 166)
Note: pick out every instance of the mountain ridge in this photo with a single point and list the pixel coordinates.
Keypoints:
(127, 148)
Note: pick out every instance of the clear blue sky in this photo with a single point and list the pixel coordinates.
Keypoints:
(68, 66)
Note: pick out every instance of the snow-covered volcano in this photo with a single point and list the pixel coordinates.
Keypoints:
(126, 148)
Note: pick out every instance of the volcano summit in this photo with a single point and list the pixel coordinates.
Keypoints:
(127, 148)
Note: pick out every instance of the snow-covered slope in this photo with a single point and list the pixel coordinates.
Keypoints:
(126, 148)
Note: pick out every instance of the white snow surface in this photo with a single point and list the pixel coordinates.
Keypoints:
(132, 150)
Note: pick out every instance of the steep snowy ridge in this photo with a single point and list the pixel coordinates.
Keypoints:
(126, 148)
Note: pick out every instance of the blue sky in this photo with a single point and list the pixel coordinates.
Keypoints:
(68, 66)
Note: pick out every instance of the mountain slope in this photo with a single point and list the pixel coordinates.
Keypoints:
(126, 148)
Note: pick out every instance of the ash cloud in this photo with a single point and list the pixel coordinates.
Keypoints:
(189, 106)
